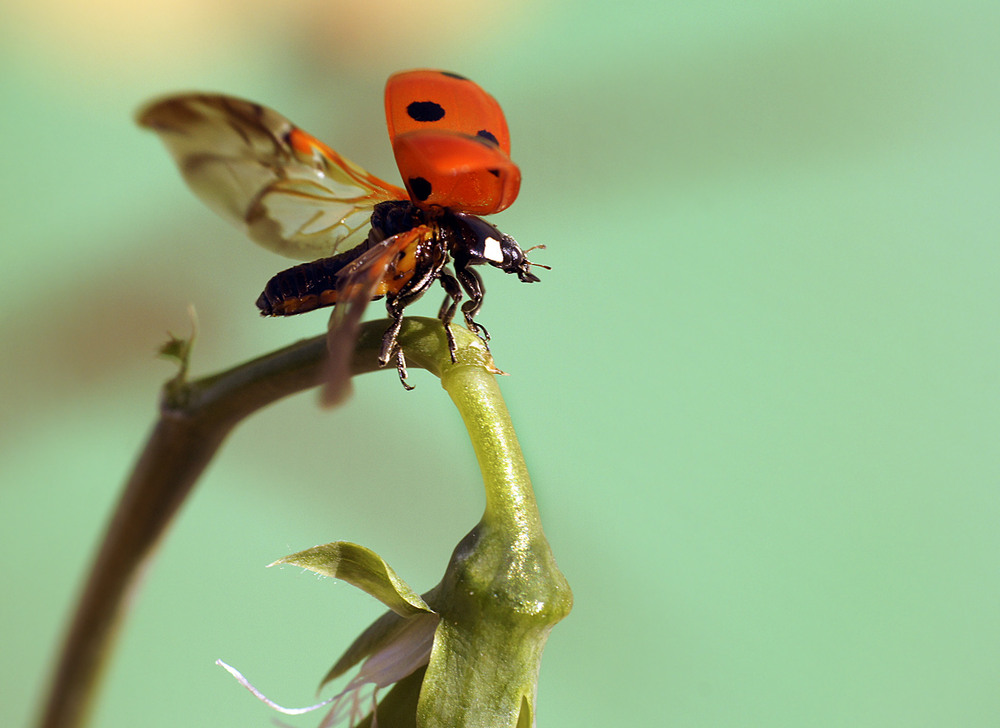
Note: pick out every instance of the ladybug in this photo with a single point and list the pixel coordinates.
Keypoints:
(365, 238)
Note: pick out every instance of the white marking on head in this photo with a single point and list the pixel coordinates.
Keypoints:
(492, 250)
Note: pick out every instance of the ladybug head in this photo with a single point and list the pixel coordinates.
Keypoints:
(485, 244)
(515, 260)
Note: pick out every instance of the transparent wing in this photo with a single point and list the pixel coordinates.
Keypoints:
(287, 190)
(359, 283)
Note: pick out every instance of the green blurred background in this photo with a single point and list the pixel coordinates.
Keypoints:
(758, 391)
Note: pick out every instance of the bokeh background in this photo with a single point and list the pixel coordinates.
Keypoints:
(758, 391)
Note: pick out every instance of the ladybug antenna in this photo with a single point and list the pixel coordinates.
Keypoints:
(537, 265)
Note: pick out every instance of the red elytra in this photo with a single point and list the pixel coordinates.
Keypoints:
(463, 173)
(425, 99)
(451, 143)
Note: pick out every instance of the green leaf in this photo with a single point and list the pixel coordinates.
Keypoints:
(179, 349)
(364, 569)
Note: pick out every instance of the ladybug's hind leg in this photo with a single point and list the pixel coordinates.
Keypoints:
(390, 343)
(395, 305)
(401, 369)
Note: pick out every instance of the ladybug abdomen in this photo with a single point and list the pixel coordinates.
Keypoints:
(307, 286)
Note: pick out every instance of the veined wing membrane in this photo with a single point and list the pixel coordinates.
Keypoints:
(287, 190)
(359, 283)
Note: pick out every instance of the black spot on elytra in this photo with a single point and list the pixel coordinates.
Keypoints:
(488, 136)
(420, 188)
(425, 111)
(449, 74)
(494, 172)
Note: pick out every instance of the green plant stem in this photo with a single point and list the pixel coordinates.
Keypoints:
(510, 501)
(502, 592)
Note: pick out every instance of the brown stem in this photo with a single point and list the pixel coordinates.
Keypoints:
(195, 419)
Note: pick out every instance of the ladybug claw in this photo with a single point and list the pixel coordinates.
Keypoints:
(480, 331)
(401, 370)
(452, 345)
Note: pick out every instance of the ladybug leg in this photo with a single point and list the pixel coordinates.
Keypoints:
(395, 305)
(395, 308)
(401, 369)
(390, 346)
(454, 294)
(473, 285)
